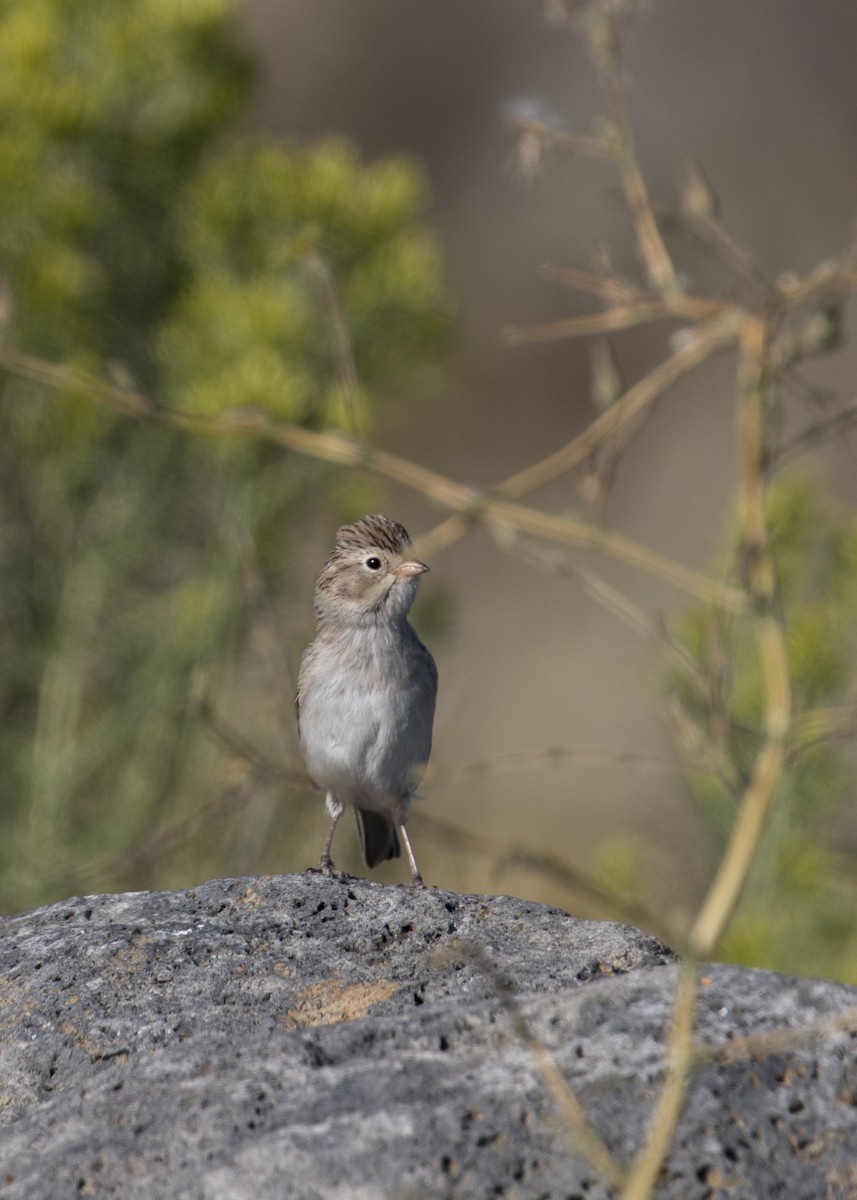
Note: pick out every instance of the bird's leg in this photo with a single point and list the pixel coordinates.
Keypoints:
(325, 863)
(416, 878)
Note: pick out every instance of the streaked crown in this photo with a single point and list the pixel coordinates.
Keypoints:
(376, 532)
(370, 574)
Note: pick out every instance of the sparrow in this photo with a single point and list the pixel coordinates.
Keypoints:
(367, 688)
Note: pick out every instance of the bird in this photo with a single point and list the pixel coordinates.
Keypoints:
(367, 688)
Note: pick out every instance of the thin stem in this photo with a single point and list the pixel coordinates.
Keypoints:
(720, 242)
(679, 1060)
(621, 291)
(814, 435)
(584, 1136)
(609, 287)
(650, 245)
(705, 340)
(499, 516)
(554, 756)
(641, 312)
(335, 448)
(779, 1041)
(725, 891)
(579, 882)
(613, 600)
(340, 336)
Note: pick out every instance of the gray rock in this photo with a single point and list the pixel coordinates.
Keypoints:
(303, 1037)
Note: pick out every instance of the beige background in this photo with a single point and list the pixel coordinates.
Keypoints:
(764, 94)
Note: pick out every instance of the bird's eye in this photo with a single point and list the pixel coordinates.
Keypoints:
(374, 564)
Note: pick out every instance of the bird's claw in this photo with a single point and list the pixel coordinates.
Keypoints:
(325, 867)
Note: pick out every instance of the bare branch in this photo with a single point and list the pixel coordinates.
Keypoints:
(499, 515)
(610, 288)
(813, 435)
(641, 312)
(702, 342)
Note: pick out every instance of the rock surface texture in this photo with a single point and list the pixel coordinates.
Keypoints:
(298, 1036)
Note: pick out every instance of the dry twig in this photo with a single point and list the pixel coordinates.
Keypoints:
(335, 448)
(583, 1135)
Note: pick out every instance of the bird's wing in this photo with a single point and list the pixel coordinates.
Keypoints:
(306, 659)
(428, 689)
(305, 668)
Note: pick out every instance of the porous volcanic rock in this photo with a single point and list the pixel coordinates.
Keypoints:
(297, 1036)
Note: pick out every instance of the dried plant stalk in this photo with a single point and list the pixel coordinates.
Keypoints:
(679, 1060)
(335, 448)
(584, 1137)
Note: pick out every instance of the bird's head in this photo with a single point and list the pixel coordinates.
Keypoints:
(371, 574)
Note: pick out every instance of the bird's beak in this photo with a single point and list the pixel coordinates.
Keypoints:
(413, 567)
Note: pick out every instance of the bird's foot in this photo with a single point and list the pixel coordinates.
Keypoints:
(325, 867)
(417, 882)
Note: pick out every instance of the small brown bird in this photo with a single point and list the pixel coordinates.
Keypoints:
(367, 688)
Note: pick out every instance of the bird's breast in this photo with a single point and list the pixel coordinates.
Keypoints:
(365, 717)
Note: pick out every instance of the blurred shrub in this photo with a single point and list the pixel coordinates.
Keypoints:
(799, 904)
(139, 237)
(262, 226)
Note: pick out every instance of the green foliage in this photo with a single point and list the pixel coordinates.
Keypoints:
(140, 238)
(105, 109)
(249, 327)
(796, 907)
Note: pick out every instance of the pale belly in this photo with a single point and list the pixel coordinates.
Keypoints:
(366, 742)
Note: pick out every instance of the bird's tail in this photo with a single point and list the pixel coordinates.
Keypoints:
(378, 838)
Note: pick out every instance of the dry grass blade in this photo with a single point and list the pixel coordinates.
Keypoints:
(813, 435)
(583, 884)
(63, 378)
(584, 1137)
(617, 291)
(720, 242)
(704, 341)
(641, 312)
(610, 288)
(446, 533)
(829, 278)
(823, 724)
(779, 1041)
(725, 890)
(679, 1060)
(604, 898)
(537, 136)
